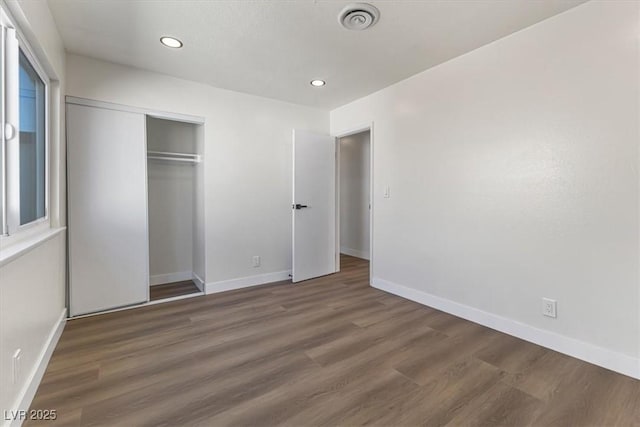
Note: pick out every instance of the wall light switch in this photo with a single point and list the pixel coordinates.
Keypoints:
(387, 192)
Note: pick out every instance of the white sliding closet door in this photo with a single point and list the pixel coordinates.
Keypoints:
(108, 237)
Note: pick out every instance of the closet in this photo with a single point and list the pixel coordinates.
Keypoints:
(135, 205)
(173, 169)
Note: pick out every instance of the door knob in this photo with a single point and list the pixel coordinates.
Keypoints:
(299, 206)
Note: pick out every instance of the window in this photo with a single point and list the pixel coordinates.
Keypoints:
(23, 155)
(32, 143)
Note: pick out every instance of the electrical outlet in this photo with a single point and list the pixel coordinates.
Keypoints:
(549, 307)
(17, 355)
(256, 261)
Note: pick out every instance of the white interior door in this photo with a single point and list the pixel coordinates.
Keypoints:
(314, 205)
(108, 236)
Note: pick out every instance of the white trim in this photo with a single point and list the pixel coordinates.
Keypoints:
(371, 196)
(16, 250)
(354, 252)
(245, 282)
(591, 353)
(355, 130)
(198, 281)
(162, 279)
(147, 264)
(185, 118)
(4, 21)
(31, 386)
(12, 118)
(338, 208)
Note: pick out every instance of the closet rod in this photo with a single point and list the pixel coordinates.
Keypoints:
(173, 159)
(169, 153)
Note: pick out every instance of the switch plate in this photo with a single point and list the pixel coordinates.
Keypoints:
(549, 307)
(256, 261)
(387, 192)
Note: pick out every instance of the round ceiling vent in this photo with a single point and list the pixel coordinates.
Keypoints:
(358, 16)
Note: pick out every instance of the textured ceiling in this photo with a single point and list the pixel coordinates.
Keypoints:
(273, 48)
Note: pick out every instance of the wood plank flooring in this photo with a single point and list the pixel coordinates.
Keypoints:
(170, 290)
(330, 351)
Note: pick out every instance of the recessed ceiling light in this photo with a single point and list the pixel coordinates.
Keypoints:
(170, 42)
(318, 83)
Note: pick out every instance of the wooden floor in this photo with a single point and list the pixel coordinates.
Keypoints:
(331, 351)
(170, 290)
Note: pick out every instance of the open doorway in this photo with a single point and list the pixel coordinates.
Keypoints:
(332, 206)
(354, 193)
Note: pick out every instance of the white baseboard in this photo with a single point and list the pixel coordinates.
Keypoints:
(161, 279)
(591, 353)
(198, 281)
(245, 282)
(354, 252)
(35, 376)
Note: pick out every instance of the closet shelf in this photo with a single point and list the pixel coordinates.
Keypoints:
(173, 157)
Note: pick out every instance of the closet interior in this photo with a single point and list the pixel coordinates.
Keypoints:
(174, 182)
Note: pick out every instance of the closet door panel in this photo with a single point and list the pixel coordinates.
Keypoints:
(108, 236)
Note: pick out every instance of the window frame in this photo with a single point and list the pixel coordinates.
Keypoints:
(10, 181)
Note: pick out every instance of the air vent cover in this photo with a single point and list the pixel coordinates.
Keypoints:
(358, 16)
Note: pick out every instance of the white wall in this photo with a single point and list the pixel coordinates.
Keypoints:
(171, 187)
(247, 157)
(32, 284)
(354, 195)
(514, 176)
(32, 301)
